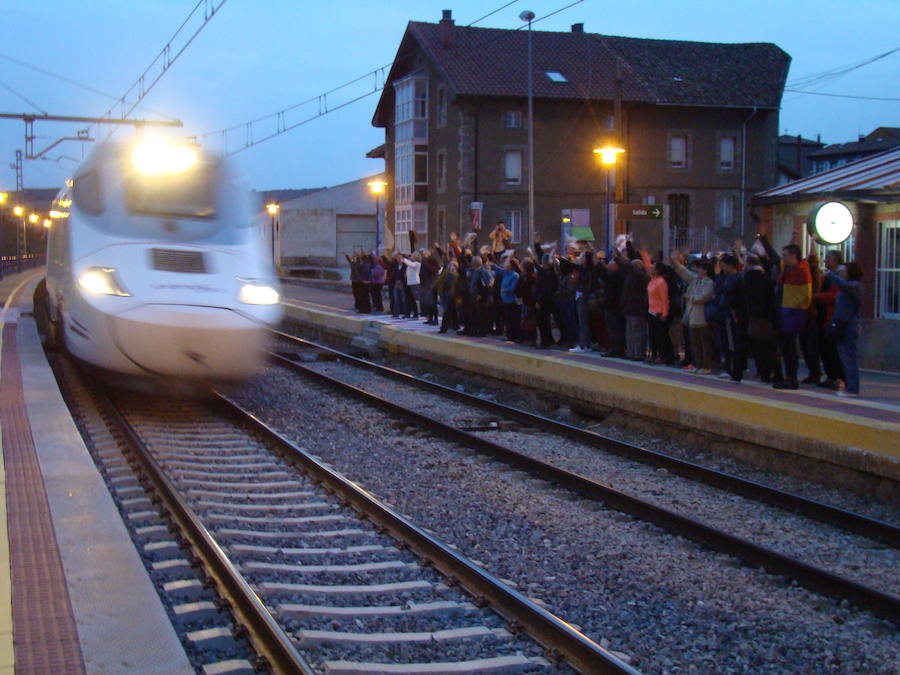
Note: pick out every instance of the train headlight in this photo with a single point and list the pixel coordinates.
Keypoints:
(254, 293)
(101, 281)
(157, 157)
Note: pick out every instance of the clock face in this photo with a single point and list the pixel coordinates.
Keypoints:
(831, 222)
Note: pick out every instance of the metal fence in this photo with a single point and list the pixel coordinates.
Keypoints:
(696, 240)
(10, 264)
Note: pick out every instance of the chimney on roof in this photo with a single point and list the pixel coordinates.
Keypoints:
(445, 29)
(577, 27)
(818, 138)
(862, 137)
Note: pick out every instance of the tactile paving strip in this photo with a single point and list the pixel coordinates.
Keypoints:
(44, 634)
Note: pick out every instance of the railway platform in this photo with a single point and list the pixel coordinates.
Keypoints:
(74, 594)
(860, 434)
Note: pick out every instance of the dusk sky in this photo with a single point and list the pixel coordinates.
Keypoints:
(257, 57)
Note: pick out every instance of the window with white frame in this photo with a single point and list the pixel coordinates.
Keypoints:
(888, 272)
(410, 134)
(402, 219)
(726, 211)
(512, 167)
(512, 119)
(441, 106)
(727, 146)
(441, 170)
(403, 173)
(678, 151)
(512, 219)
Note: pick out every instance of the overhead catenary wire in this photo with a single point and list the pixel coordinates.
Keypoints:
(74, 83)
(211, 8)
(853, 96)
(279, 117)
(839, 71)
(23, 97)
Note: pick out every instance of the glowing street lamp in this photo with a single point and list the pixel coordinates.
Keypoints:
(4, 196)
(377, 188)
(608, 155)
(47, 222)
(33, 218)
(272, 208)
(18, 211)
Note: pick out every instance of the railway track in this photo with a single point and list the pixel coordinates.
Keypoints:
(881, 602)
(318, 575)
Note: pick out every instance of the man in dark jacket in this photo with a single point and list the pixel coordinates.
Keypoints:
(635, 307)
(759, 300)
(734, 319)
(545, 288)
(613, 278)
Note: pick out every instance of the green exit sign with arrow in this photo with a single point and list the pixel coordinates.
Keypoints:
(639, 212)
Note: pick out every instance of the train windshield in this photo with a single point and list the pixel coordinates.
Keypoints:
(190, 194)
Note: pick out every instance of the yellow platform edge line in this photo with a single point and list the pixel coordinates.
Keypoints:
(615, 387)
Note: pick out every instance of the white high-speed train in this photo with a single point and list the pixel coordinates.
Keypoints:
(155, 266)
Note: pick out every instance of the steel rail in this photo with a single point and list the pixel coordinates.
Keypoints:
(267, 637)
(844, 519)
(557, 636)
(811, 577)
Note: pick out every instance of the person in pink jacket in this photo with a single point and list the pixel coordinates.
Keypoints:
(658, 296)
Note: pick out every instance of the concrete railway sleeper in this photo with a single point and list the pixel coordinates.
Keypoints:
(817, 579)
(311, 587)
(844, 519)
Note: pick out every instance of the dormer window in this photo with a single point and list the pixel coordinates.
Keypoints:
(555, 76)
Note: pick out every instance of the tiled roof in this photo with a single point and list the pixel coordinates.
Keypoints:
(878, 173)
(882, 138)
(491, 62)
(787, 139)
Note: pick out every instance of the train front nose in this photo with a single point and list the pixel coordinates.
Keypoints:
(191, 342)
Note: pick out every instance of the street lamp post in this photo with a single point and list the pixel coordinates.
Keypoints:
(377, 187)
(608, 156)
(528, 16)
(19, 212)
(4, 197)
(272, 209)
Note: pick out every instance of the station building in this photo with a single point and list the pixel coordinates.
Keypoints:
(315, 229)
(870, 188)
(698, 122)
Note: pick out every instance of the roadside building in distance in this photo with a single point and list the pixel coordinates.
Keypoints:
(838, 154)
(698, 122)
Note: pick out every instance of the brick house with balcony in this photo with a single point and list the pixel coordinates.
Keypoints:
(698, 121)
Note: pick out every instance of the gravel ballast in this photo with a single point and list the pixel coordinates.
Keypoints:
(869, 562)
(670, 605)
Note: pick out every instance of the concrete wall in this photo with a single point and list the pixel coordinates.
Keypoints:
(317, 228)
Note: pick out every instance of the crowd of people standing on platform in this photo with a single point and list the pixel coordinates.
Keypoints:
(696, 312)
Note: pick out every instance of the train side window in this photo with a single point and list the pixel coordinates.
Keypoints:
(87, 194)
